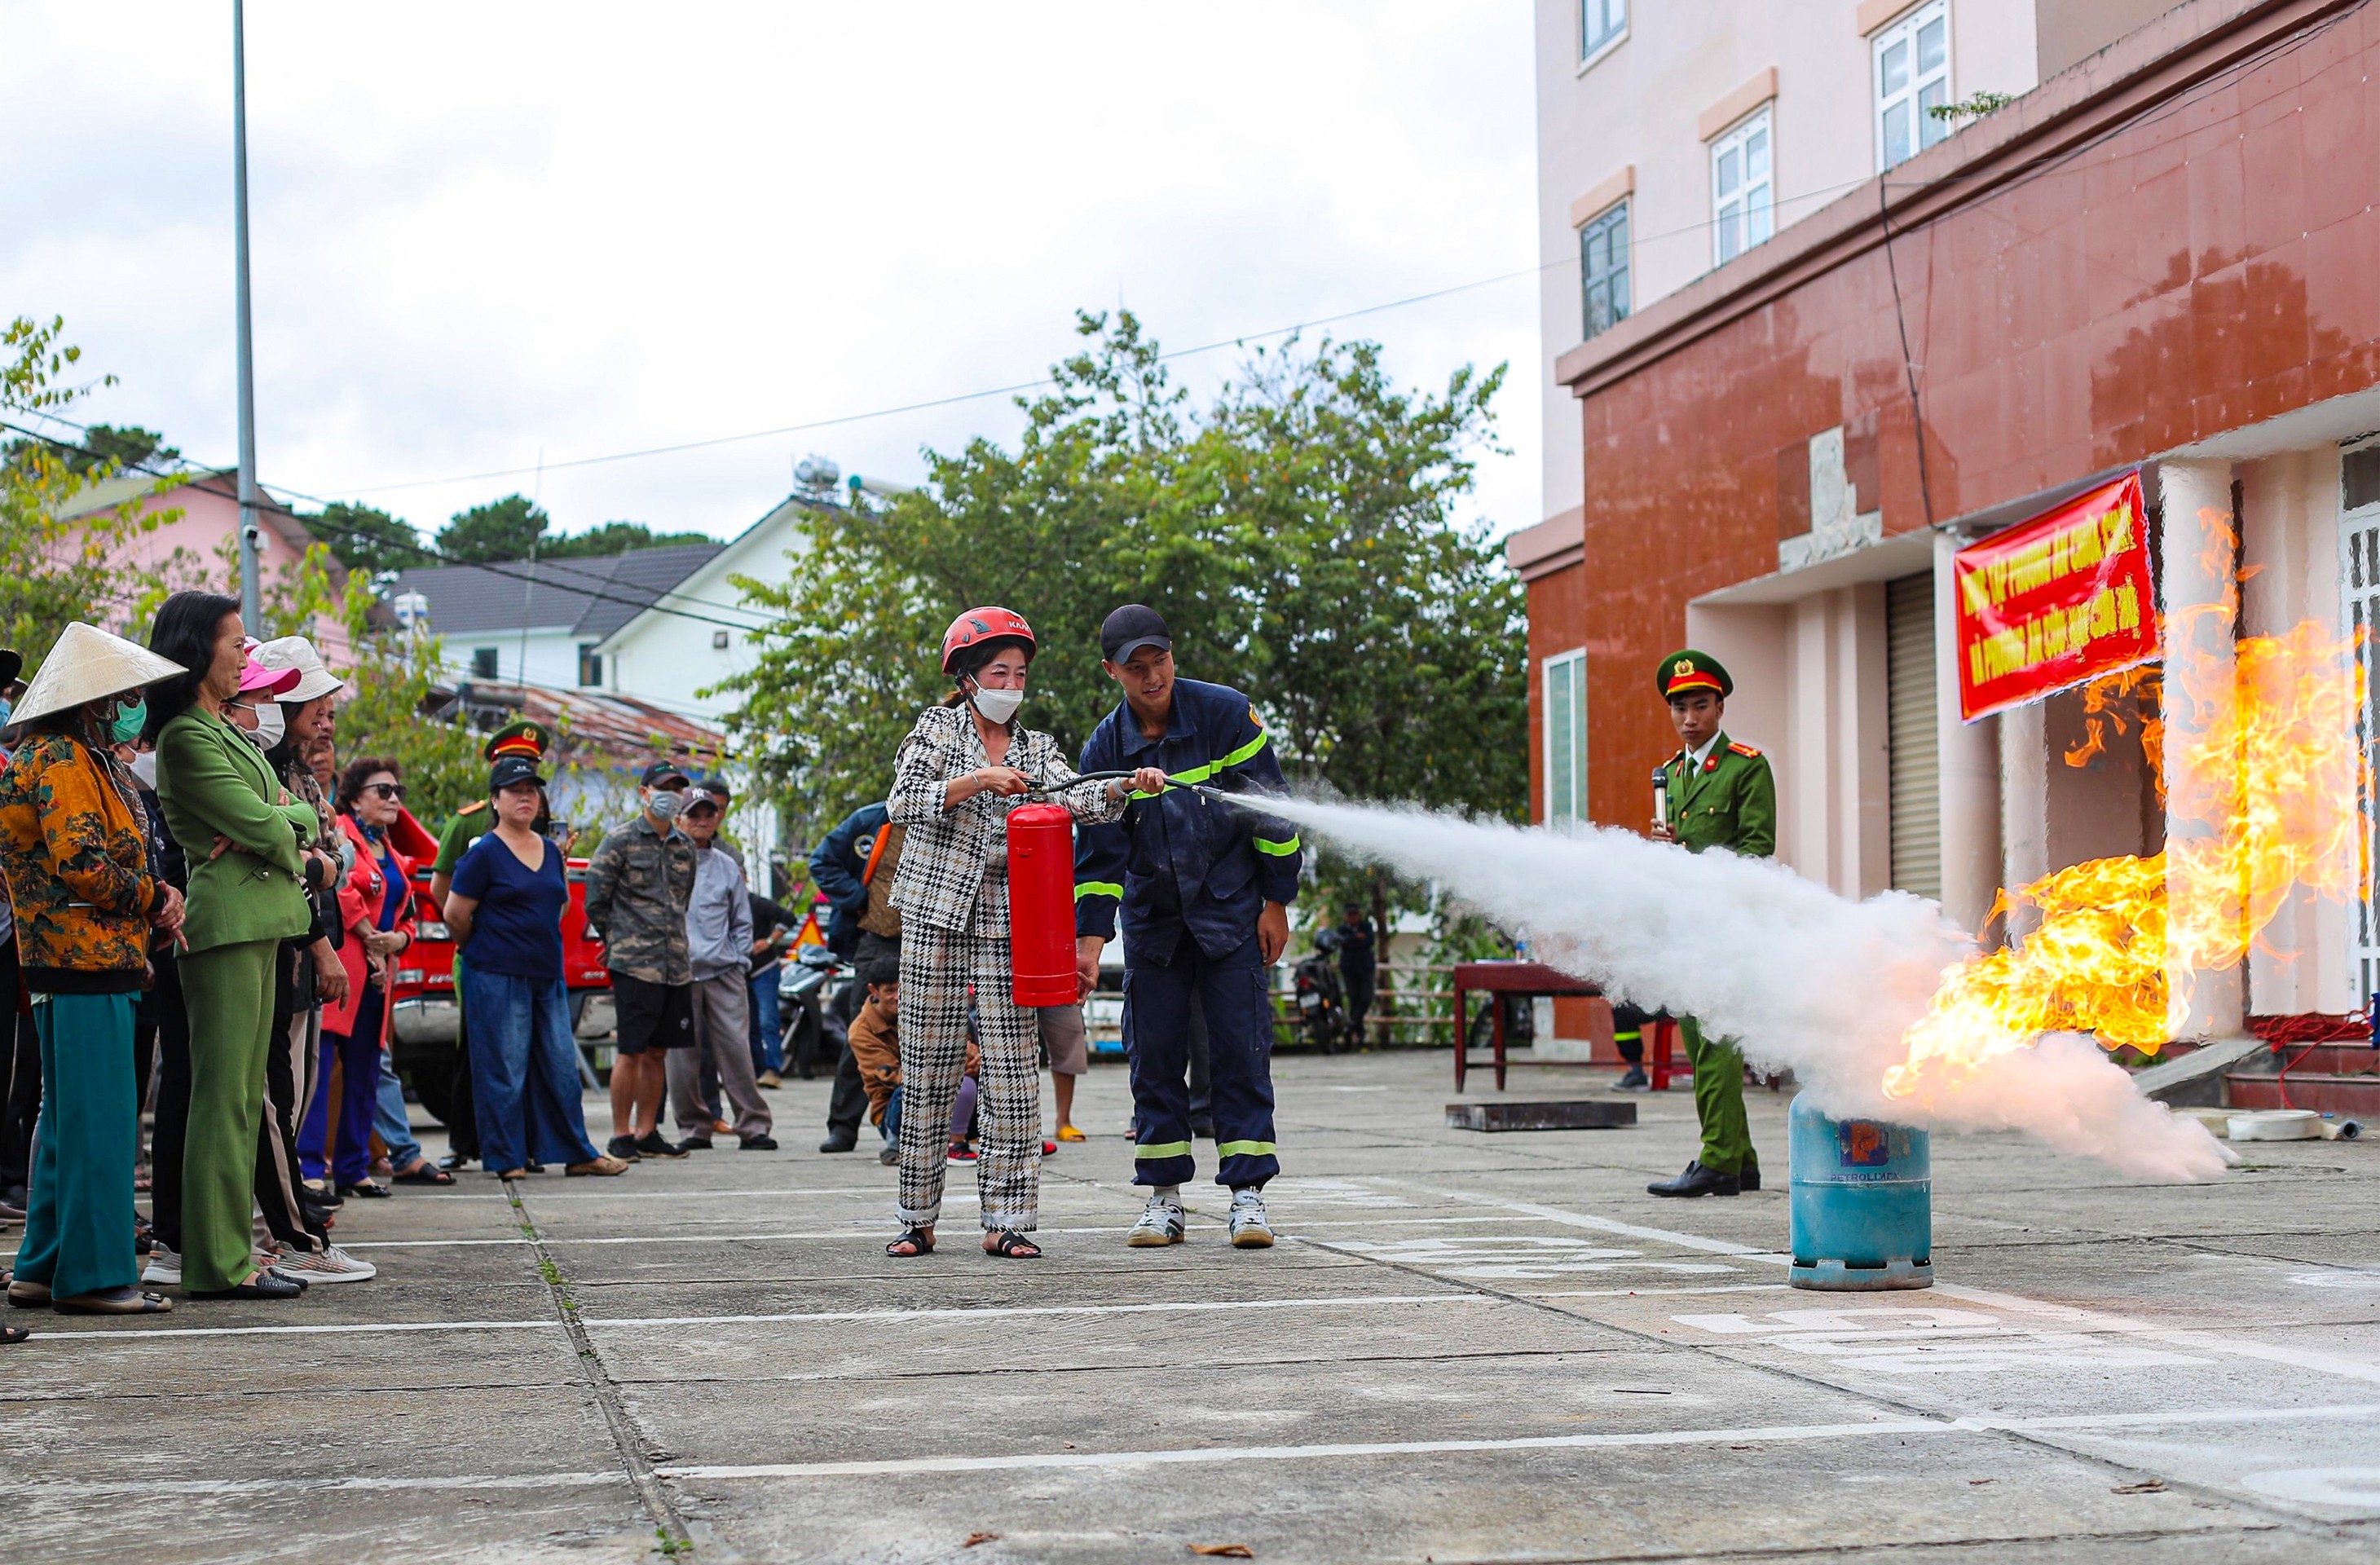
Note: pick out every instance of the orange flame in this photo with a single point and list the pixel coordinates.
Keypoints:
(2263, 801)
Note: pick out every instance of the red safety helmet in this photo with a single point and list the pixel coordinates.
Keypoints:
(983, 624)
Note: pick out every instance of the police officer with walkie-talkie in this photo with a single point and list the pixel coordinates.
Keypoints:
(1712, 793)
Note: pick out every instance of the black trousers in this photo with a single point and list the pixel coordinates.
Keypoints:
(277, 1177)
(163, 1021)
(20, 1075)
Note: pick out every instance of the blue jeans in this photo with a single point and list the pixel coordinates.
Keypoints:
(359, 1056)
(524, 1072)
(390, 1117)
(768, 1035)
(962, 1113)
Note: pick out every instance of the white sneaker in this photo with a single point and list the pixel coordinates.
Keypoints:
(165, 1269)
(333, 1265)
(1160, 1224)
(1250, 1231)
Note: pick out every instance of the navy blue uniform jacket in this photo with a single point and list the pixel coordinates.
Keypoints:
(1180, 862)
(836, 866)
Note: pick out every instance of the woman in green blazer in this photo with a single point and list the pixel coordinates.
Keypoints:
(241, 831)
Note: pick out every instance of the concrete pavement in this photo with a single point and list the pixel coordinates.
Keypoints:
(1468, 1348)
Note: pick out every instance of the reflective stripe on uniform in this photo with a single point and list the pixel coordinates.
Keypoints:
(1165, 1149)
(1240, 1148)
(1278, 850)
(1098, 889)
(1201, 774)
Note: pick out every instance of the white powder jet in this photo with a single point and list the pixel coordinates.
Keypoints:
(1801, 978)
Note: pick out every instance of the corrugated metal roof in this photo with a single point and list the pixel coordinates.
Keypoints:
(587, 723)
(589, 597)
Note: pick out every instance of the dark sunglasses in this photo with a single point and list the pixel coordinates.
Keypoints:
(385, 790)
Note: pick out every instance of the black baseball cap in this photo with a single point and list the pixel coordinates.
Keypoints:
(1129, 630)
(510, 769)
(659, 773)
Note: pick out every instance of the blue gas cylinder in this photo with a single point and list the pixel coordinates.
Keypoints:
(1863, 1203)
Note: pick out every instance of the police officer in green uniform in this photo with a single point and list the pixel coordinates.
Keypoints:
(467, 826)
(1715, 794)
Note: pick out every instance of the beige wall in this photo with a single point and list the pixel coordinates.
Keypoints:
(2069, 31)
(1640, 105)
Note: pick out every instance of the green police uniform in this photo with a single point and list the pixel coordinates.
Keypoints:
(1728, 801)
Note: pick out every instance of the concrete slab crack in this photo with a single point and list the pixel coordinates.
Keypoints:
(669, 1527)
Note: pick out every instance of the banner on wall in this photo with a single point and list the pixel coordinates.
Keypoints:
(2058, 600)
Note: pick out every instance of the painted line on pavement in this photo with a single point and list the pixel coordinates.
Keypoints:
(73, 1489)
(606, 1323)
(2080, 1319)
(873, 1234)
(1763, 1432)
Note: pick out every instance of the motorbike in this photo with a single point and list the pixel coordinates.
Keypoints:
(801, 1007)
(1321, 1001)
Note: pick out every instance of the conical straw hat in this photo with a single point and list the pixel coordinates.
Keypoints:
(86, 664)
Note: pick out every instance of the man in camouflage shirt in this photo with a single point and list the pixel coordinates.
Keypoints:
(638, 888)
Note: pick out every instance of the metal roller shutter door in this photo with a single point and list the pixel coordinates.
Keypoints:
(1916, 770)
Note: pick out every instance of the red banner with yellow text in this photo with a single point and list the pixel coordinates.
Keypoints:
(2062, 599)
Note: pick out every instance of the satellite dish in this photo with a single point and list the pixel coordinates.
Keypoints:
(816, 472)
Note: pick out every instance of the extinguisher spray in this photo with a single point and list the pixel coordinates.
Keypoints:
(1661, 796)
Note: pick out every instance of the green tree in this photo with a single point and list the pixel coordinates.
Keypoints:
(368, 538)
(1298, 536)
(62, 567)
(614, 537)
(502, 529)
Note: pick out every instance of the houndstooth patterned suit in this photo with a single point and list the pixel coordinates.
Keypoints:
(952, 888)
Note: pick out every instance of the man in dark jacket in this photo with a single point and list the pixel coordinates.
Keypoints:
(854, 867)
(1203, 888)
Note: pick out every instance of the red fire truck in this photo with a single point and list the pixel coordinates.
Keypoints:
(421, 1043)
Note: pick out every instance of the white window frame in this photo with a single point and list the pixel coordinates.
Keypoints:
(1919, 89)
(1567, 670)
(1752, 201)
(1618, 211)
(1592, 46)
(2359, 587)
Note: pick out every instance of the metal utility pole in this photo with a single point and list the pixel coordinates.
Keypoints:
(251, 606)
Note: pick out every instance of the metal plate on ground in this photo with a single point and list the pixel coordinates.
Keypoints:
(1573, 1114)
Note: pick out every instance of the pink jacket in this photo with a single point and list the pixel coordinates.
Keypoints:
(360, 900)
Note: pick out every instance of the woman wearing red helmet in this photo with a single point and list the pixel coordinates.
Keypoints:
(953, 781)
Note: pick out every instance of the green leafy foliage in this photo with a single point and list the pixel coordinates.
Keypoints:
(62, 567)
(1297, 535)
(502, 529)
(368, 538)
(614, 537)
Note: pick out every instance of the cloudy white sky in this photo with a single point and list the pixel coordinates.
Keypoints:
(492, 235)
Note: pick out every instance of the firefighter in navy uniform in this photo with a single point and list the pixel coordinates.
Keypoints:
(1715, 794)
(1203, 888)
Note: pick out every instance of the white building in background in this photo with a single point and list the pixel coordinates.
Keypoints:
(541, 622)
(696, 634)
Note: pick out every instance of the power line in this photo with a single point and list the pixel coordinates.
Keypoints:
(266, 503)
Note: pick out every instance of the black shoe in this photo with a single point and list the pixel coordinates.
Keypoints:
(264, 1285)
(533, 1166)
(1749, 1178)
(652, 1144)
(328, 1197)
(367, 1191)
(840, 1144)
(1697, 1180)
(1202, 1127)
(1634, 1080)
(453, 1160)
(694, 1143)
(757, 1143)
(624, 1148)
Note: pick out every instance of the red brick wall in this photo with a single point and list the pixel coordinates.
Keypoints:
(2211, 262)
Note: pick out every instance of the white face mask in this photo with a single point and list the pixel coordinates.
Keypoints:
(269, 725)
(997, 705)
(144, 769)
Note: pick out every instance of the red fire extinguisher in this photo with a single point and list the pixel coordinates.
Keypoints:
(1041, 906)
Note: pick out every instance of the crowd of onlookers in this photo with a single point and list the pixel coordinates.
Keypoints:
(204, 919)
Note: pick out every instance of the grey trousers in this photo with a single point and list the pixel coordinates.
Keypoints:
(723, 1029)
